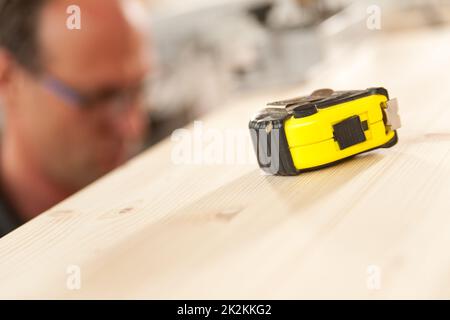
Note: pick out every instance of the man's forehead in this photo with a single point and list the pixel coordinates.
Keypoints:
(106, 46)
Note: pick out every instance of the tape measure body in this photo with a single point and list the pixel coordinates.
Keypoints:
(319, 130)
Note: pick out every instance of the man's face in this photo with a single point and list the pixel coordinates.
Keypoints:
(75, 145)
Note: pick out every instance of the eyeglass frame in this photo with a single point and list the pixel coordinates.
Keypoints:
(73, 97)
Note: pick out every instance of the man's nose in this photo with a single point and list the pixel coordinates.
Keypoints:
(130, 124)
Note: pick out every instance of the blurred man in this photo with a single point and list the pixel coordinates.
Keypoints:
(71, 100)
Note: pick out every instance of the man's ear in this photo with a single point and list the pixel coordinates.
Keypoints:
(5, 68)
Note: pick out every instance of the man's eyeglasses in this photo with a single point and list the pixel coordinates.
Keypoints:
(114, 97)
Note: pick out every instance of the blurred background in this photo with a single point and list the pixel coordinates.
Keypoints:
(207, 52)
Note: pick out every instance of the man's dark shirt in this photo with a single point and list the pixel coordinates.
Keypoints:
(8, 218)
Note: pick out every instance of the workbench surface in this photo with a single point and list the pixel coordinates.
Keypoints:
(377, 226)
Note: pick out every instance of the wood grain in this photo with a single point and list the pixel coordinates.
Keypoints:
(154, 229)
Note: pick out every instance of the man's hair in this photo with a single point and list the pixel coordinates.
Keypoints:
(18, 31)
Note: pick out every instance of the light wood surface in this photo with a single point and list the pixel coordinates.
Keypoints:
(155, 229)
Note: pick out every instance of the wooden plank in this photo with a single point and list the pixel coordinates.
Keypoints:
(155, 229)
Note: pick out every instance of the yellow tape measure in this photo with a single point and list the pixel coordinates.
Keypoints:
(319, 130)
